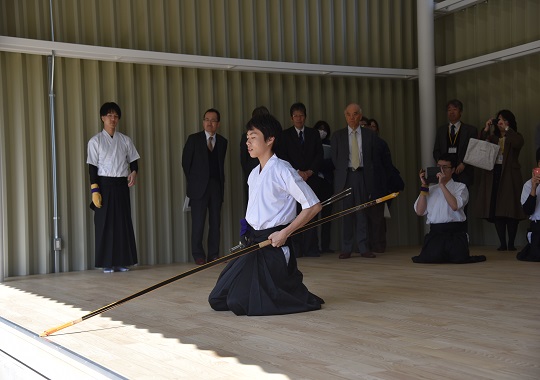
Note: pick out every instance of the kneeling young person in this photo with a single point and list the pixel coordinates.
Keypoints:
(531, 207)
(443, 204)
(267, 281)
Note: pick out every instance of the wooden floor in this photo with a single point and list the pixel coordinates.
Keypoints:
(384, 318)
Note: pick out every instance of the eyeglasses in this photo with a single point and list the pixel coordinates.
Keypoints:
(112, 116)
(211, 121)
(298, 115)
(444, 167)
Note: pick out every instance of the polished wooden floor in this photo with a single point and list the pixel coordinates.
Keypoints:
(384, 318)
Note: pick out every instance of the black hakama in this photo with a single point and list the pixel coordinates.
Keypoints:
(531, 252)
(115, 240)
(262, 283)
(447, 243)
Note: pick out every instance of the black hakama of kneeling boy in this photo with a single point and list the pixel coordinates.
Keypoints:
(262, 283)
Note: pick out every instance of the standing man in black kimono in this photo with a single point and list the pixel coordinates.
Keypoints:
(113, 166)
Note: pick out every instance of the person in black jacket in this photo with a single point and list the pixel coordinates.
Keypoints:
(353, 155)
(387, 180)
(301, 146)
(203, 160)
(249, 163)
(326, 172)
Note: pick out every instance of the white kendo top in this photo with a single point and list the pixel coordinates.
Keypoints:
(111, 155)
(438, 210)
(273, 193)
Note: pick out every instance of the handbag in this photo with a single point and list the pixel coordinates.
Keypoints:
(481, 154)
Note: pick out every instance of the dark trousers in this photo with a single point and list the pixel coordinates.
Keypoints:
(210, 201)
(355, 228)
(531, 252)
(306, 243)
(376, 227)
(502, 224)
(326, 228)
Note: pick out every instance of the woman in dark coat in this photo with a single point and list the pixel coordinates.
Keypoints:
(500, 189)
(327, 186)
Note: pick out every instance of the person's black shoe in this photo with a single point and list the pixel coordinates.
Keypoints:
(502, 248)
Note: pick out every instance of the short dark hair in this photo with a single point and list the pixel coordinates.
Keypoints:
(215, 111)
(450, 157)
(108, 107)
(298, 107)
(509, 117)
(374, 121)
(261, 110)
(268, 125)
(456, 103)
(321, 124)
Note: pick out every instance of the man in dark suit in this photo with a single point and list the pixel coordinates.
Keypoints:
(203, 161)
(301, 146)
(353, 157)
(453, 138)
(387, 180)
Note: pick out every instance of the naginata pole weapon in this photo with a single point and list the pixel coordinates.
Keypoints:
(231, 256)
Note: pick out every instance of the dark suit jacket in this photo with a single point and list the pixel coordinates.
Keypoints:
(307, 156)
(386, 176)
(340, 158)
(196, 166)
(466, 132)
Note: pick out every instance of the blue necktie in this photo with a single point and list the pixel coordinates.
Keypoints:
(301, 137)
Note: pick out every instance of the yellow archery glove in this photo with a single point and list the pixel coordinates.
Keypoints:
(96, 195)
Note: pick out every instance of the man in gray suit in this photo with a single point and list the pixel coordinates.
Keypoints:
(352, 155)
(453, 138)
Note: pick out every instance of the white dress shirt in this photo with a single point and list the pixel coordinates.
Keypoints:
(438, 210)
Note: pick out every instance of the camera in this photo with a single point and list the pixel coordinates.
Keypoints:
(494, 122)
(536, 171)
(431, 174)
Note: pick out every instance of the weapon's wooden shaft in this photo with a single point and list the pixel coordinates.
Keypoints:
(218, 261)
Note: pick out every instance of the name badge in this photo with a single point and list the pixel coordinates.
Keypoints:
(452, 149)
